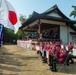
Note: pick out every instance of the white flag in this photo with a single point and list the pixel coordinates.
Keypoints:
(8, 16)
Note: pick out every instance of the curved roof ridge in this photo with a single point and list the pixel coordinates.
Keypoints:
(51, 8)
(32, 17)
(55, 7)
(33, 14)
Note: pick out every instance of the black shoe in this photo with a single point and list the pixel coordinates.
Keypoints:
(71, 62)
(44, 61)
(37, 52)
(50, 64)
(67, 64)
(54, 70)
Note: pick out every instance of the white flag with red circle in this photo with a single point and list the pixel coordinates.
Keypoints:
(8, 16)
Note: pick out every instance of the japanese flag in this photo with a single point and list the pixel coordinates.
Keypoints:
(8, 16)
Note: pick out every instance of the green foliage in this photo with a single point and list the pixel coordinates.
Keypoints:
(22, 18)
(73, 13)
(9, 35)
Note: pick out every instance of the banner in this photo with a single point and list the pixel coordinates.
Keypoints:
(1, 33)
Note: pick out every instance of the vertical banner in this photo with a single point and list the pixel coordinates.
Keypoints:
(1, 34)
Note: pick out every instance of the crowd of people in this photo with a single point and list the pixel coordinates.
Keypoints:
(50, 35)
(57, 53)
(45, 35)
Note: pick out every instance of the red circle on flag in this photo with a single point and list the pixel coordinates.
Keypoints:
(12, 17)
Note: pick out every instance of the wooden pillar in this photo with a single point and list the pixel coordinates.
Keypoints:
(22, 35)
(39, 30)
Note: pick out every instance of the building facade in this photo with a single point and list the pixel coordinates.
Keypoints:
(52, 19)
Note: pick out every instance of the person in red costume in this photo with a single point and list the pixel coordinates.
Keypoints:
(54, 55)
(62, 56)
(69, 47)
(74, 50)
(57, 55)
(69, 55)
(44, 53)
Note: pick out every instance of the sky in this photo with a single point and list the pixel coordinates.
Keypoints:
(26, 7)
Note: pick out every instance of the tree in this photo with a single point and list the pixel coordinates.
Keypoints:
(73, 13)
(9, 36)
(22, 18)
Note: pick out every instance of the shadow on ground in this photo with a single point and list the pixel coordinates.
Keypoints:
(71, 69)
(10, 62)
(8, 74)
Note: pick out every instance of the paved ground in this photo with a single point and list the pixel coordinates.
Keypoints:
(18, 61)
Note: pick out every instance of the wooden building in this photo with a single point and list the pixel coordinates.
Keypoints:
(52, 19)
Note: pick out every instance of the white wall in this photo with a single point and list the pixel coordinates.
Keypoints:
(71, 37)
(63, 34)
(54, 14)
